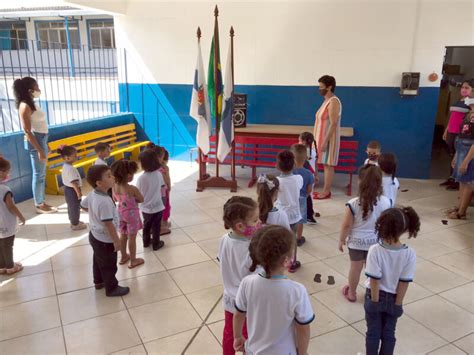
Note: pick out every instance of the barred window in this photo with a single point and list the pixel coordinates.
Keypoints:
(13, 35)
(101, 33)
(52, 35)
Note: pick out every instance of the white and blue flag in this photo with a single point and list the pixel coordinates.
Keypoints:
(226, 131)
(199, 109)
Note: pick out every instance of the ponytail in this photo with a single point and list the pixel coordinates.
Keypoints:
(21, 90)
(413, 221)
(393, 222)
(370, 188)
(267, 186)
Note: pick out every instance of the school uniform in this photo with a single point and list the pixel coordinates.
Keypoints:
(100, 161)
(279, 218)
(8, 228)
(371, 162)
(150, 185)
(389, 265)
(308, 180)
(288, 197)
(102, 209)
(390, 188)
(234, 263)
(272, 306)
(362, 235)
(69, 175)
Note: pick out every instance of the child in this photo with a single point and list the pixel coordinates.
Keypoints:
(373, 152)
(149, 183)
(299, 151)
(358, 225)
(278, 309)
(103, 222)
(72, 186)
(128, 198)
(289, 194)
(267, 190)
(307, 139)
(388, 164)
(8, 222)
(103, 152)
(165, 192)
(241, 216)
(390, 268)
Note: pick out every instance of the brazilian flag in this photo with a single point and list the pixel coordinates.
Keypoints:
(212, 83)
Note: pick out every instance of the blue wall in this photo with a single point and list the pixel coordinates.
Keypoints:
(12, 148)
(404, 125)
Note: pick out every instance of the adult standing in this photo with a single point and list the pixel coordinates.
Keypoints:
(463, 163)
(327, 132)
(35, 126)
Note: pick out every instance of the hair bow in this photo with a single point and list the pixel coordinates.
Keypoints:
(61, 146)
(262, 179)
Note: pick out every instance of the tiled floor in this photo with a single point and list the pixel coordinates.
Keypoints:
(52, 308)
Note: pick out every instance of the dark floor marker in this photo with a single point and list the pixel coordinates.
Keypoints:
(331, 280)
(404, 190)
(444, 221)
(317, 278)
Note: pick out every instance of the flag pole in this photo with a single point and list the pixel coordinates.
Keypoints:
(232, 166)
(202, 166)
(216, 97)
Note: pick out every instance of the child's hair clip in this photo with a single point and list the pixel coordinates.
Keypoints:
(263, 179)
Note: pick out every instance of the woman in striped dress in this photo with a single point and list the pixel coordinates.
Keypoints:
(327, 132)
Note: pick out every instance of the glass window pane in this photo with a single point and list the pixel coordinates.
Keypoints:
(113, 37)
(43, 38)
(42, 25)
(106, 39)
(95, 38)
(74, 35)
(57, 24)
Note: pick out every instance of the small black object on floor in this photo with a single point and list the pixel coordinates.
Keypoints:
(317, 278)
(444, 221)
(331, 280)
(404, 190)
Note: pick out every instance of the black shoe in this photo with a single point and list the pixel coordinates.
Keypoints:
(99, 286)
(300, 241)
(146, 245)
(160, 245)
(447, 182)
(453, 187)
(295, 266)
(118, 291)
(311, 220)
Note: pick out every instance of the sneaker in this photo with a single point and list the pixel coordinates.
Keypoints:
(160, 245)
(79, 226)
(447, 182)
(295, 266)
(45, 208)
(118, 291)
(311, 220)
(453, 186)
(300, 241)
(99, 286)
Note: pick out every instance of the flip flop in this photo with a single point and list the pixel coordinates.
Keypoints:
(345, 292)
(456, 215)
(124, 261)
(139, 261)
(327, 197)
(17, 267)
(165, 232)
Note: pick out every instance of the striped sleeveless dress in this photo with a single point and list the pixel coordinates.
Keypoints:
(321, 126)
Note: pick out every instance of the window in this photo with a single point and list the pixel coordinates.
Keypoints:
(13, 35)
(52, 35)
(101, 33)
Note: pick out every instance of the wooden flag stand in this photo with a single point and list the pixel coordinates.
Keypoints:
(205, 180)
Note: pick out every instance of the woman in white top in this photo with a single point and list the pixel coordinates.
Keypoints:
(35, 126)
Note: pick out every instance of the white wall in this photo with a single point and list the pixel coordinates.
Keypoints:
(360, 42)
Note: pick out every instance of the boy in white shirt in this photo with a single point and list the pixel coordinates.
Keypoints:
(103, 237)
(289, 194)
(103, 152)
(373, 151)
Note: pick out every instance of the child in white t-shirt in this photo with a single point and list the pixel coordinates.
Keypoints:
(150, 184)
(278, 310)
(391, 185)
(390, 268)
(241, 217)
(373, 151)
(267, 190)
(289, 194)
(358, 226)
(8, 222)
(102, 150)
(72, 186)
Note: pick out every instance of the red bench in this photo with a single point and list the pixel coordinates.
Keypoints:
(260, 152)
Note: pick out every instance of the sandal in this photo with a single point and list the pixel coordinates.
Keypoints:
(17, 267)
(321, 197)
(456, 215)
(138, 261)
(345, 292)
(124, 261)
(452, 209)
(165, 232)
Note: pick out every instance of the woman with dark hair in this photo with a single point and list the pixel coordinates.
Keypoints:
(35, 126)
(327, 132)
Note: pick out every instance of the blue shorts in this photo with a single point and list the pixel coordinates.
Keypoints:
(303, 210)
(462, 148)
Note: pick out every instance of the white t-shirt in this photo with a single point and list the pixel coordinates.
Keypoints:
(100, 161)
(289, 196)
(272, 305)
(8, 222)
(362, 234)
(101, 209)
(313, 155)
(390, 188)
(279, 218)
(70, 174)
(149, 184)
(234, 262)
(390, 265)
(38, 121)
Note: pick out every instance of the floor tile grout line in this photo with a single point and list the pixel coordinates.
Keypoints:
(59, 308)
(134, 325)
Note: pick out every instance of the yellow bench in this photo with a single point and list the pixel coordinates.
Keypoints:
(122, 139)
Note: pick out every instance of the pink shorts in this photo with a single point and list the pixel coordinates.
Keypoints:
(130, 222)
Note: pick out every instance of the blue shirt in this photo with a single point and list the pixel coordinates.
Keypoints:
(308, 180)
